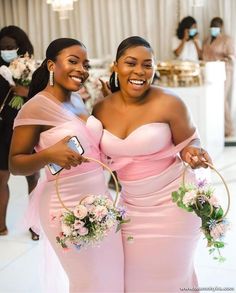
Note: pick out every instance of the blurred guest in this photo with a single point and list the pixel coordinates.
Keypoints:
(13, 43)
(186, 45)
(219, 46)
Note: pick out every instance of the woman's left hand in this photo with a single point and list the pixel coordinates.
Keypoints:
(20, 90)
(196, 157)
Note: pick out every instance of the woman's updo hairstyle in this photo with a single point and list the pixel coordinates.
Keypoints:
(41, 75)
(130, 42)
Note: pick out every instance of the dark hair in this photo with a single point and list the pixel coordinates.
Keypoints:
(127, 43)
(41, 75)
(20, 37)
(217, 21)
(185, 23)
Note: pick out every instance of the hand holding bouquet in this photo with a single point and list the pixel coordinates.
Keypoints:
(21, 69)
(200, 198)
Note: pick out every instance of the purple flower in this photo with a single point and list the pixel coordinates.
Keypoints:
(201, 183)
(77, 246)
(122, 211)
(212, 223)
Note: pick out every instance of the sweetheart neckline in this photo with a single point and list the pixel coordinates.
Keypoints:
(134, 131)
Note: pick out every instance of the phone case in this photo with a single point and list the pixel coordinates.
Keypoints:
(75, 145)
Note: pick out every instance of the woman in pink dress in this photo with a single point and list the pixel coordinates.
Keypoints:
(147, 136)
(46, 123)
(220, 47)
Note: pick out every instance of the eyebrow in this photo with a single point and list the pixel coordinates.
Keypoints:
(86, 60)
(137, 59)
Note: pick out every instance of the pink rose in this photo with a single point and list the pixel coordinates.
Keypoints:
(88, 200)
(214, 201)
(78, 225)
(83, 231)
(100, 212)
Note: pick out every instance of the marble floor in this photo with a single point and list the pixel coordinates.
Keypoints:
(20, 256)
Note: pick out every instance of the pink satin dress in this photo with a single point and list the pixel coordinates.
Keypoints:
(93, 269)
(160, 258)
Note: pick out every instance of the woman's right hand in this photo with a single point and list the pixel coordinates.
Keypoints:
(106, 90)
(62, 155)
(186, 34)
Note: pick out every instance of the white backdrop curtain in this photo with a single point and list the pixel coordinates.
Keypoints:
(102, 24)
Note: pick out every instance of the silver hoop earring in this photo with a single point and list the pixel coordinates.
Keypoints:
(116, 80)
(51, 78)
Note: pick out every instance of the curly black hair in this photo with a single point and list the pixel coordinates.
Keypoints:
(186, 22)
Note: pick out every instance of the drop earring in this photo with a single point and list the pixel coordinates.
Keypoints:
(116, 80)
(51, 78)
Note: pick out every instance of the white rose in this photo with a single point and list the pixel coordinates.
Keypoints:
(80, 212)
(66, 229)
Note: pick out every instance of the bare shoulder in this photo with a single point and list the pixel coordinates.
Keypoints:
(168, 100)
(102, 106)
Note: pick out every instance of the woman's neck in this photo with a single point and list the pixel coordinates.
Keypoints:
(130, 100)
(60, 94)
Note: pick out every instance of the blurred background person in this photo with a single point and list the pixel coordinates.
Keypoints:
(13, 43)
(220, 47)
(186, 44)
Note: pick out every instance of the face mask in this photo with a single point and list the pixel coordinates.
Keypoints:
(9, 55)
(192, 32)
(215, 31)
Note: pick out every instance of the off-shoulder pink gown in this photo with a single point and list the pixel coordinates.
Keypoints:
(95, 269)
(161, 256)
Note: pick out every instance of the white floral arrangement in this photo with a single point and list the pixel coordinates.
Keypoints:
(200, 198)
(93, 86)
(21, 69)
(89, 222)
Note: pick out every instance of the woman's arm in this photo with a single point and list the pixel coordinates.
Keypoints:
(182, 128)
(23, 162)
(179, 49)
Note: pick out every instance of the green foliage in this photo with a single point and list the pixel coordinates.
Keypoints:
(196, 199)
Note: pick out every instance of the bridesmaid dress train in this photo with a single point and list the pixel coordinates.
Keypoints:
(160, 258)
(95, 269)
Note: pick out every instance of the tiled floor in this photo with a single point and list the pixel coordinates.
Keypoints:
(20, 256)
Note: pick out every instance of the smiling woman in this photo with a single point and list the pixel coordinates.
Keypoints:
(46, 123)
(148, 136)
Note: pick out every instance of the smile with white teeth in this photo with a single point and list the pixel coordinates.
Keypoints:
(136, 81)
(77, 79)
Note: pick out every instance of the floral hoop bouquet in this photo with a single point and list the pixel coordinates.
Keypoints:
(200, 198)
(21, 69)
(89, 222)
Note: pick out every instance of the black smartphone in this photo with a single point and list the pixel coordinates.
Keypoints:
(75, 145)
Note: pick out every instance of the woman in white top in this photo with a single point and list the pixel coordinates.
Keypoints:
(186, 45)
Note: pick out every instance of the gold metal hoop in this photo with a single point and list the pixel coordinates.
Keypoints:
(225, 185)
(115, 202)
